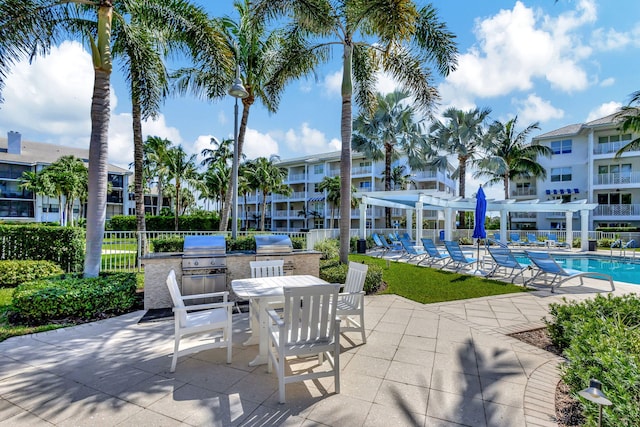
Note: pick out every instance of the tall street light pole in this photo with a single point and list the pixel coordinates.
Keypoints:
(238, 91)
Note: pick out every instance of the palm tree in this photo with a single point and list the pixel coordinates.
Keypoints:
(400, 179)
(394, 36)
(508, 157)
(31, 27)
(267, 178)
(220, 157)
(179, 167)
(257, 53)
(332, 186)
(154, 154)
(462, 136)
(35, 182)
(216, 180)
(389, 132)
(629, 117)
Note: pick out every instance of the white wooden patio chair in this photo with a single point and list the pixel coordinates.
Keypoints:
(208, 318)
(307, 326)
(351, 299)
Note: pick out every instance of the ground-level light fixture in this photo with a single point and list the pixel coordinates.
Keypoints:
(594, 394)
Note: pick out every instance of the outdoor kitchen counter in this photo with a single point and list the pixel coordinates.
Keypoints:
(158, 265)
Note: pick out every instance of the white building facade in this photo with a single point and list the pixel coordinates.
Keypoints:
(307, 207)
(583, 166)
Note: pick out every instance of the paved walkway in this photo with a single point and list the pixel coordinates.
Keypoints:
(447, 364)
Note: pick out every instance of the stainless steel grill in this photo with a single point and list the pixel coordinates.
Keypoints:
(204, 266)
(273, 244)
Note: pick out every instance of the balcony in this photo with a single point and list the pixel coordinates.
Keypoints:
(617, 210)
(617, 178)
(523, 215)
(608, 147)
(297, 177)
(296, 195)
(366, 170)
(524, 192)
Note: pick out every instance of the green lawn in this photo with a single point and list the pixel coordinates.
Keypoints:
(429, 285)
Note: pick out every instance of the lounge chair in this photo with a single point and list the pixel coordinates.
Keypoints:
(547, 266)
(379, 245)
(389, 247)
(435, 255)
(515, 239)
(503, 258)
(532, 240)
(458, 257)
(411, 252)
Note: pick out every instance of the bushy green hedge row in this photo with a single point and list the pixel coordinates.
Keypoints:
(43, 301)
(162, 223)
(14, 273)
(334, 272)
(601, 339)
(63, 245)
(248, 243)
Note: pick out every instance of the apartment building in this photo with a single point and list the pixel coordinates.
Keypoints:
(307, 207)
(583, 166)
(18, 156)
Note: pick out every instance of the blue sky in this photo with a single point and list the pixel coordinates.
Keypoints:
(553, 62)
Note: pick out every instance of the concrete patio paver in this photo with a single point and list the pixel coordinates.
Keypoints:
(446, 364)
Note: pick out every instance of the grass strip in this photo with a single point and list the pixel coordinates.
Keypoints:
(428, 285)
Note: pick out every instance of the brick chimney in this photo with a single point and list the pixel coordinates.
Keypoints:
(14, 142)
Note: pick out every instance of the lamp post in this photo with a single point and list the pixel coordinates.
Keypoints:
(594, 394)
(237, 90)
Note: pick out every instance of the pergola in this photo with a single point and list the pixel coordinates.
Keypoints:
(432, 200)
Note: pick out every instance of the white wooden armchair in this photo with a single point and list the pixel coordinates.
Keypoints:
(208, 318)
(351, 299)
(267, 268)
(307, 326)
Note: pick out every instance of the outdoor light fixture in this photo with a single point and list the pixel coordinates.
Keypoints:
(237, 90)
(594, 394)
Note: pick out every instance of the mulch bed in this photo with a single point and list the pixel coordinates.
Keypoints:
(568, 409)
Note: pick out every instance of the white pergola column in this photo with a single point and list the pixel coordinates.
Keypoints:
(448, 223)
(504, 215)
(584, 230)
(363, 218)
(409, 219)
(419, 222)
(568, 216)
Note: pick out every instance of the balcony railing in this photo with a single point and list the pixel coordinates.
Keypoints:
(523, 215)
(617, 210)
(617, 178)
(297, 177)
(366, 170)
(608, 147)
(518, 192)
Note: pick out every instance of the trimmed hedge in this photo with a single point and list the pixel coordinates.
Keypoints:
(164, 223)
(64, 246)
(601, 339)
(14, 273)
(248, 243)
(334, 272)
(43, 301)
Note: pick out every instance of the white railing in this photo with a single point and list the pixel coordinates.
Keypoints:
(617, 178)
(617, 210)
(523, 215)
(608, 147)
(366, 170)
(531, 191)
(297, 177)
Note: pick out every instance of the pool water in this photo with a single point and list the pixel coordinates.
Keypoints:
(621, 270)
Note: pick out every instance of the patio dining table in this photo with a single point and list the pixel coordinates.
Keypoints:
(262, 291)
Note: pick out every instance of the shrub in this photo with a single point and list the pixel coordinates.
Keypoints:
(465, 241)
(43, 301)
(200, 221)
(13, 273)
(247, 243)
(334, 272)
(299, 242)
(605, 243)
(170, 244)
(601, 339)
(330, 248)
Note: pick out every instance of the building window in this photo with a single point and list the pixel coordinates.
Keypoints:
(614, 138)
(117, 181)
(365, 185)
(561, 147)
(318, 169)
(560, 174)
(614, 199)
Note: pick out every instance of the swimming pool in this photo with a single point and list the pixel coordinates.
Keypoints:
(620, 269)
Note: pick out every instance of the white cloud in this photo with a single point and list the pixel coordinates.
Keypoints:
(222, 118)
(608, 82)
(309, 141)
(333, 84)
(517, 46)
(386, 83)
(535, 109)
(258, 144)
(603, 110)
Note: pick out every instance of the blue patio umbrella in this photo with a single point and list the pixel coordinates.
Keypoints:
(478, 230)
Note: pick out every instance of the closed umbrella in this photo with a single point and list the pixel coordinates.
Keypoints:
(478, 230)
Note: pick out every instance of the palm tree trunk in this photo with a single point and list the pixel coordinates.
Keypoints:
(98, 171)
(388, 153)
(177, 205)
(160, 196)
(346, 129)
(138, 168)
(264, 208)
